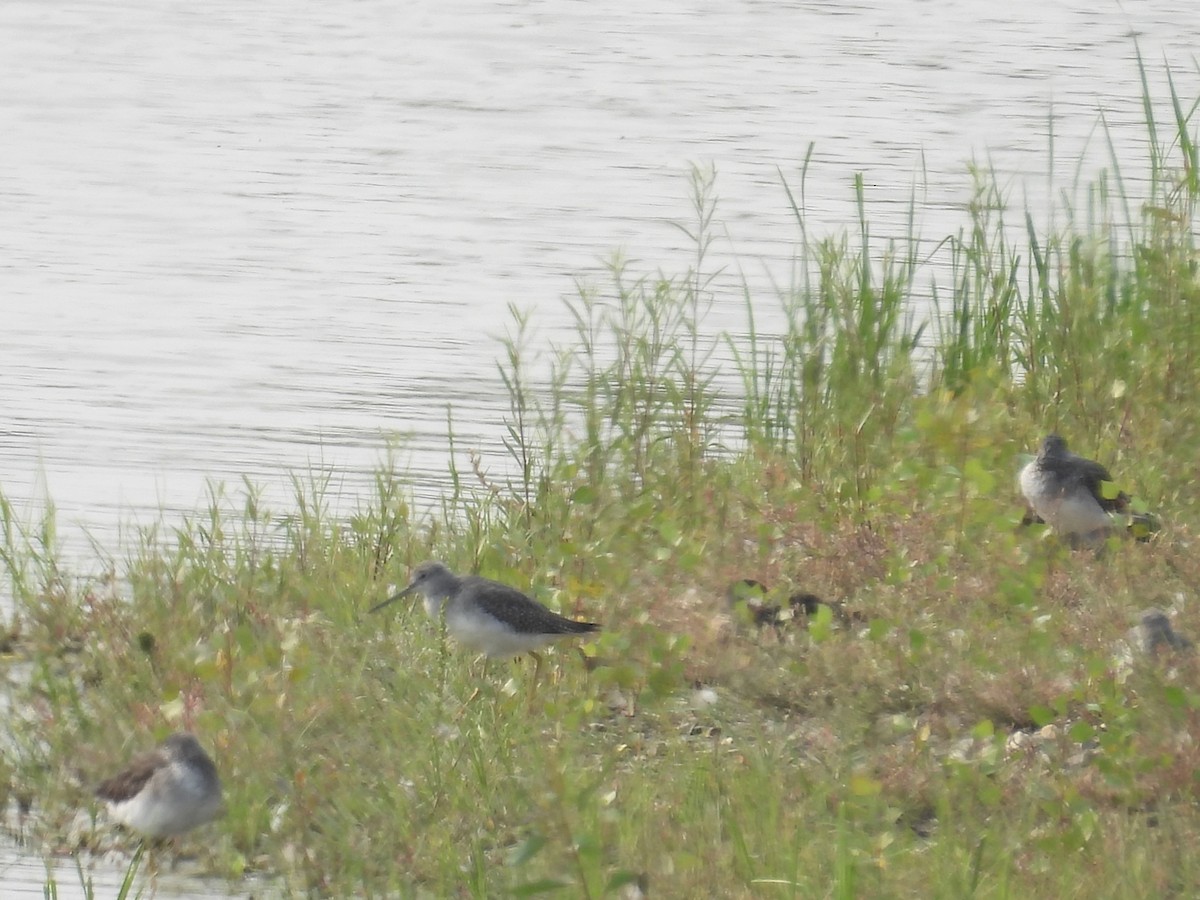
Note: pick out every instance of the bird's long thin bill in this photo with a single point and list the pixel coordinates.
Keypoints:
(391, 599)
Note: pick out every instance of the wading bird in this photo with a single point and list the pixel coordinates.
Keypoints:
(488, 616)
(166, 791)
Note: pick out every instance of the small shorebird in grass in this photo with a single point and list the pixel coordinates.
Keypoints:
(752, 595)
(1153, 633)
(166, 791)
(488, 616)
(1075, 496)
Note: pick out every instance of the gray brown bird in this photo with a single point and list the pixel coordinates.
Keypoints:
(488, 616)
(166, 791)
(1076, 496)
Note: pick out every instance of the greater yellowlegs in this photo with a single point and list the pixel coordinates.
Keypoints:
(166, 791)
(1072, 494)
(488, 616)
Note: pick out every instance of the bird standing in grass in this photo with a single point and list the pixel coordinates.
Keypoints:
(166, 791)
(749, 596)
(1074, 495)
(488, 616)
(1153, 633)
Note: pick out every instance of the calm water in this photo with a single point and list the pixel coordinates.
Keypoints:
(246, 238)
(239, 238)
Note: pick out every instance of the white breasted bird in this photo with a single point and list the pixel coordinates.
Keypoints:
(488, 616)
(1076, 496)
(166, 791)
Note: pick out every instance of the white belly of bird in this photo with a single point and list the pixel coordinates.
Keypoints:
(1078, 514)
(1070, 512)
(174, 800)
(489, 635)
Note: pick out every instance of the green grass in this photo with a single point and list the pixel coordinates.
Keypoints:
(869, 457)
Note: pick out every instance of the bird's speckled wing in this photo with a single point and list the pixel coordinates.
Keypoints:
(129, 782)
(1092, 476)
(510, 605)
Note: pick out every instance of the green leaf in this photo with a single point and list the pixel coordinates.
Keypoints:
(173, 709)
(670, 533)
(864, 786)
(1041, 715)
(878, 629)
(584, 495)
(979, 477)
(245, 638)
(588, 846)
(1081, 731)
(526, 850)
(820, 626)
(989, 793)
(1175, 696)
